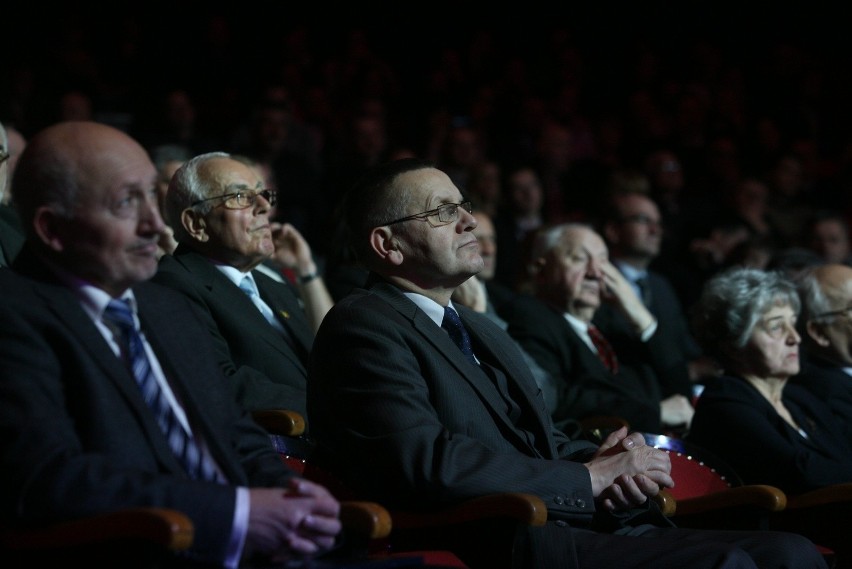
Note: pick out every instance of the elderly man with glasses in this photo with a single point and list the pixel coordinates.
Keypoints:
(826, 331)
(219, 210)
(11, 234)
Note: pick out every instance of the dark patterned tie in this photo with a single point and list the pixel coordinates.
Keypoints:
(182, 443)
(604, 348)
(454, 327)
(644, 290)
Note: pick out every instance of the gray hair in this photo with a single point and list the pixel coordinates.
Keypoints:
(548, 238)
(185, 188)
(731, 304)
(814, 299)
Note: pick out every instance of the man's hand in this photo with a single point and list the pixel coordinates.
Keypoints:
(625, 471)
(471, 293)
(291, 249)
(291, 523)
(618, 290)
(676, 410)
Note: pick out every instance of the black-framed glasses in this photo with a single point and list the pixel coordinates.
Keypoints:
(842, 312)
(446, 213)
(4, 155)
(242, 199)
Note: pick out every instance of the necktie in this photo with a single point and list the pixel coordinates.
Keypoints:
(182, 443)
(454, 327)
(604, 348)
(248, 286)
(644, 290)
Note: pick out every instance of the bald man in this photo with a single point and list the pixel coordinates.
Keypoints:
(81, 438)
(826, 330)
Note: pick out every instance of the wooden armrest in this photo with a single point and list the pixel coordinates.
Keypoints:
(525, 508)
(666, 503)
(760, 496)
(280, 421)
(834, 494)
(170, 529)
(366, 519)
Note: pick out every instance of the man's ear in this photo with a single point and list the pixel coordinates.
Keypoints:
(51, 228)
(194, 224)
(386, 245)
(815, 331)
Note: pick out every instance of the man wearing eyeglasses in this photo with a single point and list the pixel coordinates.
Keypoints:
(219, 210)
(11, 237)
(419, 402)
(826, 331)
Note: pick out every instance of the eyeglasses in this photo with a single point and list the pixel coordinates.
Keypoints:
(842, 312)
(446, 213)
(242, 199)
(640, 219)
(4, 156)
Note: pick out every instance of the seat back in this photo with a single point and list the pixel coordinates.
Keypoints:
(696, 472)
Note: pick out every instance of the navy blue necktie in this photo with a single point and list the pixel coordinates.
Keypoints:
(454, 327)
(182, 443)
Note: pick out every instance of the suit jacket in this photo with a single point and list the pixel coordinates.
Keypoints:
(78, 436)
(673, 343)
(584, 386)
(266, 370)
(829, 383)
(737, 424)
(11, 235)
(400, 414)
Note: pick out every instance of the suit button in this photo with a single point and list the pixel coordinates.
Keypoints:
(559, 500)
(581, 503)
(561, 523)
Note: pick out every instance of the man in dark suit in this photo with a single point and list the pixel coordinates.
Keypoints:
(219, 210)
(420, 402)
(826, 330)
(572, 276)
(633, 230)
(79, 437)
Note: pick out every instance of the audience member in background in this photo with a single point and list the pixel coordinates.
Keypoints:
(828, 235)
(572, 276)
(633, 230)
(770, 431)
(82, 439)
(14, 145)
(11, 236)
(516, 222)
(481, 293)
(420, 402)
(485, 187)
(167, 159)
(263, 327)
(826, 330)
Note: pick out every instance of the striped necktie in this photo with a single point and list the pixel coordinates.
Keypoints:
(182, 443)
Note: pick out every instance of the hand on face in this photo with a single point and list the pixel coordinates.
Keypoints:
(291, 249)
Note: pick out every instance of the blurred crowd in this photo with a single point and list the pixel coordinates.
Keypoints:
(741, 138)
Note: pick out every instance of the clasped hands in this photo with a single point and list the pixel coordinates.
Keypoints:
(296, 522)
(625, 471)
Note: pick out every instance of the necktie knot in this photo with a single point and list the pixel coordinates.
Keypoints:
(455, 328)
(248, 286)
(118, 312)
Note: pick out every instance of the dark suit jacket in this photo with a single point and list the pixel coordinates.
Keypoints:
(673, 341)
(78, 436)
(11, 235)
(829, 383)
(737, 424)
(404, 418)
(266, 370)
(584, 386)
